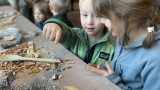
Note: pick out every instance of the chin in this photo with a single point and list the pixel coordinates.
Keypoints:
(38, 21)
(91, 34)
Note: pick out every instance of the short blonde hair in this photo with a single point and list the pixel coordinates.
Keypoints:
(59, 6)
(80, 2)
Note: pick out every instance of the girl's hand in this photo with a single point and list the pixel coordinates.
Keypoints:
(103, 70)
(52, 32)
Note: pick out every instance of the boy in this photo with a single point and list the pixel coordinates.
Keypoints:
(91, 44)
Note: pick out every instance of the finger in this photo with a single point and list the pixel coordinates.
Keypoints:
(109, 68)
(54, 39)
(44, 31)
(90, 68)
(58, 36)
(48, 33)
(99, 65)
(94, 69)
(52, 36)
(89, 64)
(100, 71)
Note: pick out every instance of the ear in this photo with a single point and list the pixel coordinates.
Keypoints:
(107, 23)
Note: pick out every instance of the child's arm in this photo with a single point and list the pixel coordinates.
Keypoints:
(52, 31)
(68, 37)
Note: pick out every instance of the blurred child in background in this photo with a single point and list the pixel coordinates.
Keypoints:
(41, 13)
(59, 9)
(26, 9)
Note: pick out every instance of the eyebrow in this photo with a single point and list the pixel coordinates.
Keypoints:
(83, 11)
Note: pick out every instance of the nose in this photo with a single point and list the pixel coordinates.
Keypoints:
(90, 21)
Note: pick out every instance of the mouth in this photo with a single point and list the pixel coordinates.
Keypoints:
(90, 29)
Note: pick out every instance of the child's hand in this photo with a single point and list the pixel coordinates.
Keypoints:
(100, 70)
(52, 32)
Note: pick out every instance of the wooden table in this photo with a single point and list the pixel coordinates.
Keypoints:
(76, 76)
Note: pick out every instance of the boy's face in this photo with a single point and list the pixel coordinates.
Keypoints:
(89, 20)
(38, 15)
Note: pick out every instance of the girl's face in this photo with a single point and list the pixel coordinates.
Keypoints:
(38, 15)
(91, 23)
(115, 25)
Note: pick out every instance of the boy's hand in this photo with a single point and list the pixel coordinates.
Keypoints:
(52, 32)
(104, 71)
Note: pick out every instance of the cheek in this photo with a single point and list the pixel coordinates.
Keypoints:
(83, 22)
(100, 27)
(42, 17)
(116, 31)
(35, 16)
(98, 24)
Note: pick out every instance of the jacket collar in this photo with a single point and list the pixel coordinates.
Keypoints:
(139, 42)
(62, 15)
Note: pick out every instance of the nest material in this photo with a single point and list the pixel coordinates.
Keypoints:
(24, 68)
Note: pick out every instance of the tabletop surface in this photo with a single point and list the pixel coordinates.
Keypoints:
(77, 75)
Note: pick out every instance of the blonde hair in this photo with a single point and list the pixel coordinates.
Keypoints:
(44, 8)
(81, 2)
(59, 6)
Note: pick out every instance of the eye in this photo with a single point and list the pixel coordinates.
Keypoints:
(85, 15)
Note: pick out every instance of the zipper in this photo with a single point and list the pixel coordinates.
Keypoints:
(89, 54)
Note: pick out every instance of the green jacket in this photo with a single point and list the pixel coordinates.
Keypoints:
(76, 40)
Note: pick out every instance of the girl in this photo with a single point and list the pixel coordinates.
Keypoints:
(91, 44)
(41, 13)
(135, 65)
